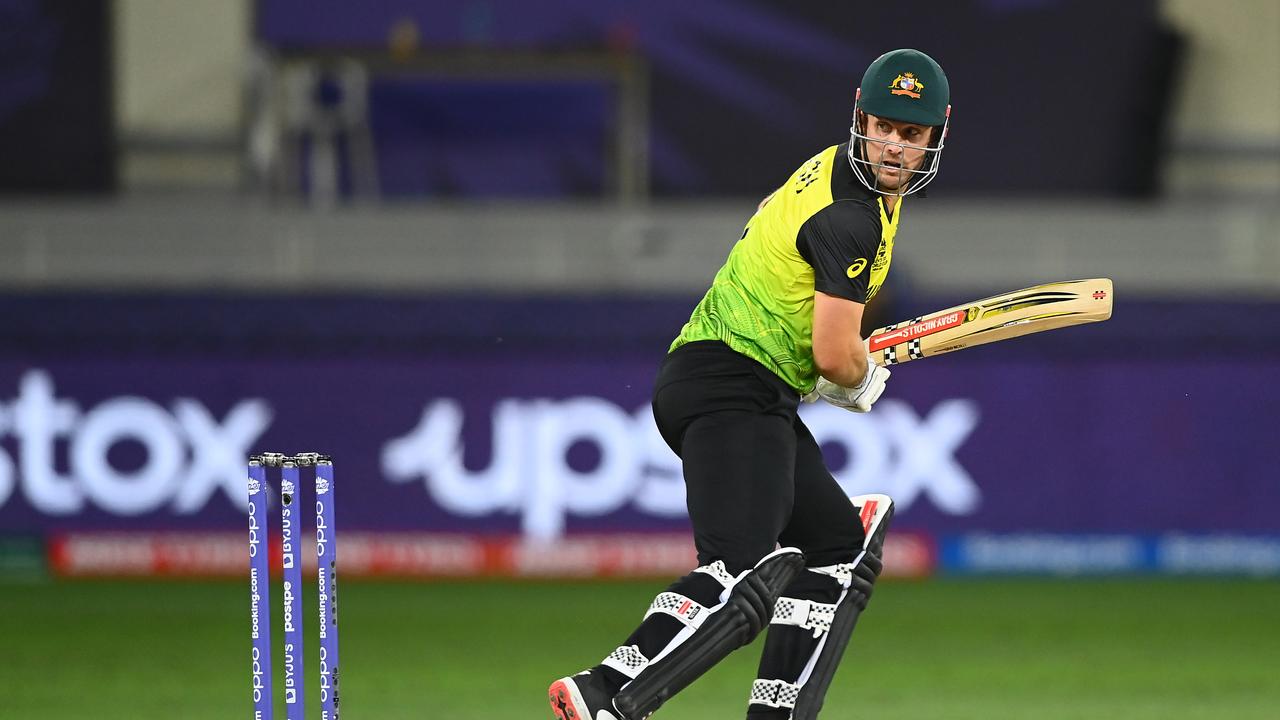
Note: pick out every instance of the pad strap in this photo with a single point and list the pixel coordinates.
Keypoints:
(808, 614)
(774, 693)
(627, 660)
(718, 571)
(745, 609)
(681, 607)
(842, 572)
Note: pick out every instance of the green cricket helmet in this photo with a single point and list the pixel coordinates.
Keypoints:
(908, 86)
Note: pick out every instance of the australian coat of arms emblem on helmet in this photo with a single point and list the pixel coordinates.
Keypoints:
(906, 84)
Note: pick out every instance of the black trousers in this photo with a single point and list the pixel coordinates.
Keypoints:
(754, 478)
(754, 475)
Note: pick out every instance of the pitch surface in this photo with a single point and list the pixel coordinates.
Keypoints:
(971, 649)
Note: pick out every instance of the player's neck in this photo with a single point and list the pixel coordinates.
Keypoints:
(890, 201)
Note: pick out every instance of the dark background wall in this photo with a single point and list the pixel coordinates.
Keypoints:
(56, 128)
(1049, 96)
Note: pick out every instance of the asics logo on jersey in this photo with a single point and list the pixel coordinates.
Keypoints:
(856, 268)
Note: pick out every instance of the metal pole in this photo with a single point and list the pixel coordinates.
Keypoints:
(259, 591)
(295, 702)
(326, 557)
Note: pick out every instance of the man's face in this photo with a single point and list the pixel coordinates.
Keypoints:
(895, 144)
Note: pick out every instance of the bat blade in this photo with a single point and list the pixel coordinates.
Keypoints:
(1001, 317)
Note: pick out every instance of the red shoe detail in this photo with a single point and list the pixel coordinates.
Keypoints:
(562, 702)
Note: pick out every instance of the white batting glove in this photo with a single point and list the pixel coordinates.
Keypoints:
(857, 399)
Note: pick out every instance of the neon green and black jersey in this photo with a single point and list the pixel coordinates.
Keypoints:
(823, 230)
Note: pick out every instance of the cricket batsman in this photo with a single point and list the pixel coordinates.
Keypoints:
(779, 543)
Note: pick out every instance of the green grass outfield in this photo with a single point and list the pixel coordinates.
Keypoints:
(951, 649)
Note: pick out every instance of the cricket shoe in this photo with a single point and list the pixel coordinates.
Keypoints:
(582, 697)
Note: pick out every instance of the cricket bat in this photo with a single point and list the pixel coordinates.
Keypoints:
(1022, 312)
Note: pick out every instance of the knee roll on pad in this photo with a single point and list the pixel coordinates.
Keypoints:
(745, 609)
(875, 512)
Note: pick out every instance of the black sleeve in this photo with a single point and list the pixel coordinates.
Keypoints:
(840, 242)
